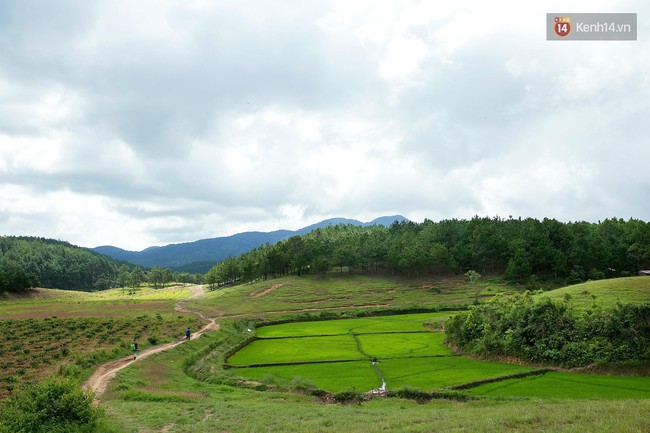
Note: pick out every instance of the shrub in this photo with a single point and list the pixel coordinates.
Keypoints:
(52, 406)
(69, 370)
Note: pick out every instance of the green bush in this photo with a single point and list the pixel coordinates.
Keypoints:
(52, 406)
(70, 370)
(549, 331)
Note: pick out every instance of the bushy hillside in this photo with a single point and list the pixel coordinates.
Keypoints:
(54, 264)
(561, 327)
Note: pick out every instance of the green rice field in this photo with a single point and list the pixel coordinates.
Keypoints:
(365, 325)
(563, 385)
(336, 355)
(337, 376)
(302, 349)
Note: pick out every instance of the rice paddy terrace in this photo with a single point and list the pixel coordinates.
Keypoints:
(398, 351)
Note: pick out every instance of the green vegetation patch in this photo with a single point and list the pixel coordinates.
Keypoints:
(333, 377)
(403, 345)
(433, 373)
(550, 331)
(605, 293)
(40, 303)
(364, 325)
(49, 407)
(568, 386)
(340, 347)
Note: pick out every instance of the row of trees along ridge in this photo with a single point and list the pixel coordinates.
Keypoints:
(517, 248)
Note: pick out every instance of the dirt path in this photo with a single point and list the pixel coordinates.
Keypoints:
(105, 372)
(267, 291)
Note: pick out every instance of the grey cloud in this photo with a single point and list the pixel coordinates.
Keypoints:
(173, 96)
(460, 115)
(156, 98)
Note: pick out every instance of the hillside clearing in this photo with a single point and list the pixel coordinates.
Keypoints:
(605, 293)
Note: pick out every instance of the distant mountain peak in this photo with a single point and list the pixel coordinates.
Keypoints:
(386, 220)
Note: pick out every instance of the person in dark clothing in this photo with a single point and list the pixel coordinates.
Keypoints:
(134, 348)
(187, 334)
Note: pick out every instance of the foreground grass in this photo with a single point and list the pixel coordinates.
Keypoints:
(237, 411)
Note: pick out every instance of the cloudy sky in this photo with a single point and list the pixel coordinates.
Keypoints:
(139, 123)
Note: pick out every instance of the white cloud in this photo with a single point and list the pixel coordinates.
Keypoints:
(41, 154)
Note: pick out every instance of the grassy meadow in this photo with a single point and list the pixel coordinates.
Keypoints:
(42, 303)
(335, 292)
(605, 293)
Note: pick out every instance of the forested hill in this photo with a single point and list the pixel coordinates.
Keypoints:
(30, 261)
(199, 256)
(520, 249)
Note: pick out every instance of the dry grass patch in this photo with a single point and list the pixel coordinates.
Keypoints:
(257, 294)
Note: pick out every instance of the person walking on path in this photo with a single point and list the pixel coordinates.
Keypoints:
(134, 348)
(187, 334)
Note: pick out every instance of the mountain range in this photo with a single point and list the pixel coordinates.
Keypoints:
(199, 256)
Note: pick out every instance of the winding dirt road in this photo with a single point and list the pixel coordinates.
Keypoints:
(105, 372)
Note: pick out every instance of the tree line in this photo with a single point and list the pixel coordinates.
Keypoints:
(157, 277)
(519, 249)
